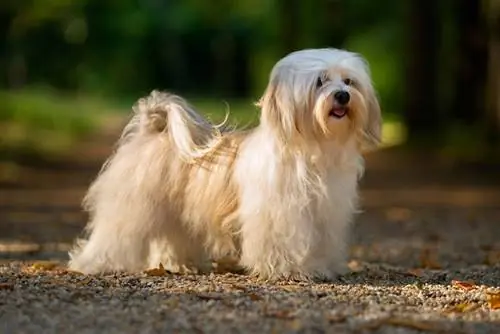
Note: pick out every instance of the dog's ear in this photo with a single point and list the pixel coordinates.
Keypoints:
(372, 132)
(278, 111)
(374, 123)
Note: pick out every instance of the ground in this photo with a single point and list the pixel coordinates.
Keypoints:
(425, 257)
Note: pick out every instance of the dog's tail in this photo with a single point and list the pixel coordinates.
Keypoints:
(163, 113)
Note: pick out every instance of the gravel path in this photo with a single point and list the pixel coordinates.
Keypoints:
(422, 270)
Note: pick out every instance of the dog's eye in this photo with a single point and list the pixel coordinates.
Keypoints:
(319, 82)
(348, 81)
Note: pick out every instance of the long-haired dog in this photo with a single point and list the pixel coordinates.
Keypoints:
(280, 197)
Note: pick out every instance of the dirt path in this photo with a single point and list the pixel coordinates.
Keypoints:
(425, 257)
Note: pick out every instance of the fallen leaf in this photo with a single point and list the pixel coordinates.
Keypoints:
(336, 318)
(401, 322)
(412, 324)
(280, 314)
(355, 266)
(44, 265)
(492, 257)
(428, 259)
(63, 272)
(254, 296)
(466, 285)
(238, 287)
(6, 286)
(417, 272)
(461, 308)
(208, 297)
(396, 214)
(494, 300)
(160, 271)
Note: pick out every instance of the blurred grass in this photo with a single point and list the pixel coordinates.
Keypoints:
(40, 122)
(43, 124)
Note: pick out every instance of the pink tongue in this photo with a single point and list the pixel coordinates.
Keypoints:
(339, 112)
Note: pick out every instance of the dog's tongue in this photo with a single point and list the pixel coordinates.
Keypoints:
(339, 112)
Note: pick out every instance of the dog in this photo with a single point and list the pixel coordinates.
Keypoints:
(279, 197)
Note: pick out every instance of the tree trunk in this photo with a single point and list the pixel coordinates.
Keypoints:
(332, 19)
(422, 115)
(492, 114)
(288, 12)
(472, 53)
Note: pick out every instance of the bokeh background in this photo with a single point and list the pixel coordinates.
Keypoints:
(71, 70)
(66, 63)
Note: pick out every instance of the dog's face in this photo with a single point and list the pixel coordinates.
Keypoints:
(322, 94)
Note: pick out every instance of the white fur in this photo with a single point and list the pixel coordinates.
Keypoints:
(183, 192)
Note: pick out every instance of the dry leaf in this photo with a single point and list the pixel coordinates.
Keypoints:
(492, 257)
(401, 322)
(6, 286)
(239, 287)
(494, 300)
(336, 318)
(466, 285)
(428, 259)
(355, 266)
(208, 297)
(63, 272)
(398, 214)
(44, 265)
(417, 272)
(461, 308)
(280, 314)
(160, 271)
(254, 296)
(412, 324)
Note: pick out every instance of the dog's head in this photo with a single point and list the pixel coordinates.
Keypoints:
(322, 94)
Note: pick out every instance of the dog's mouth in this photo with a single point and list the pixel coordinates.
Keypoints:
(338, 112)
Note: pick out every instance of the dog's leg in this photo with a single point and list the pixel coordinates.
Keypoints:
(178, 252)
(288, 227)
(108, 250)
(128, 207)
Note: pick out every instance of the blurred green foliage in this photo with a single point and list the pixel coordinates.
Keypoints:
(211, 51)
(44, 122)
(222, 48)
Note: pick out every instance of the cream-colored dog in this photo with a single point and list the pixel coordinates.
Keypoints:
(280, 197)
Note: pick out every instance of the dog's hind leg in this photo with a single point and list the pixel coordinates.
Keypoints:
(128, 207)
(179, 252)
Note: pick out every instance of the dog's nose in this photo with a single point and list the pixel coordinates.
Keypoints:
(342, 97)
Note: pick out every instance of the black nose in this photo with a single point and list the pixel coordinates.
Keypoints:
(342, 97)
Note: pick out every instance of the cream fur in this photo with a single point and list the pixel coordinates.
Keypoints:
(280, 197)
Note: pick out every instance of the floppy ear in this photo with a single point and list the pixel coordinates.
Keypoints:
(373, 127)
(278, 111)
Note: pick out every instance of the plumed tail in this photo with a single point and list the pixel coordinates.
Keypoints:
(163, 113)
